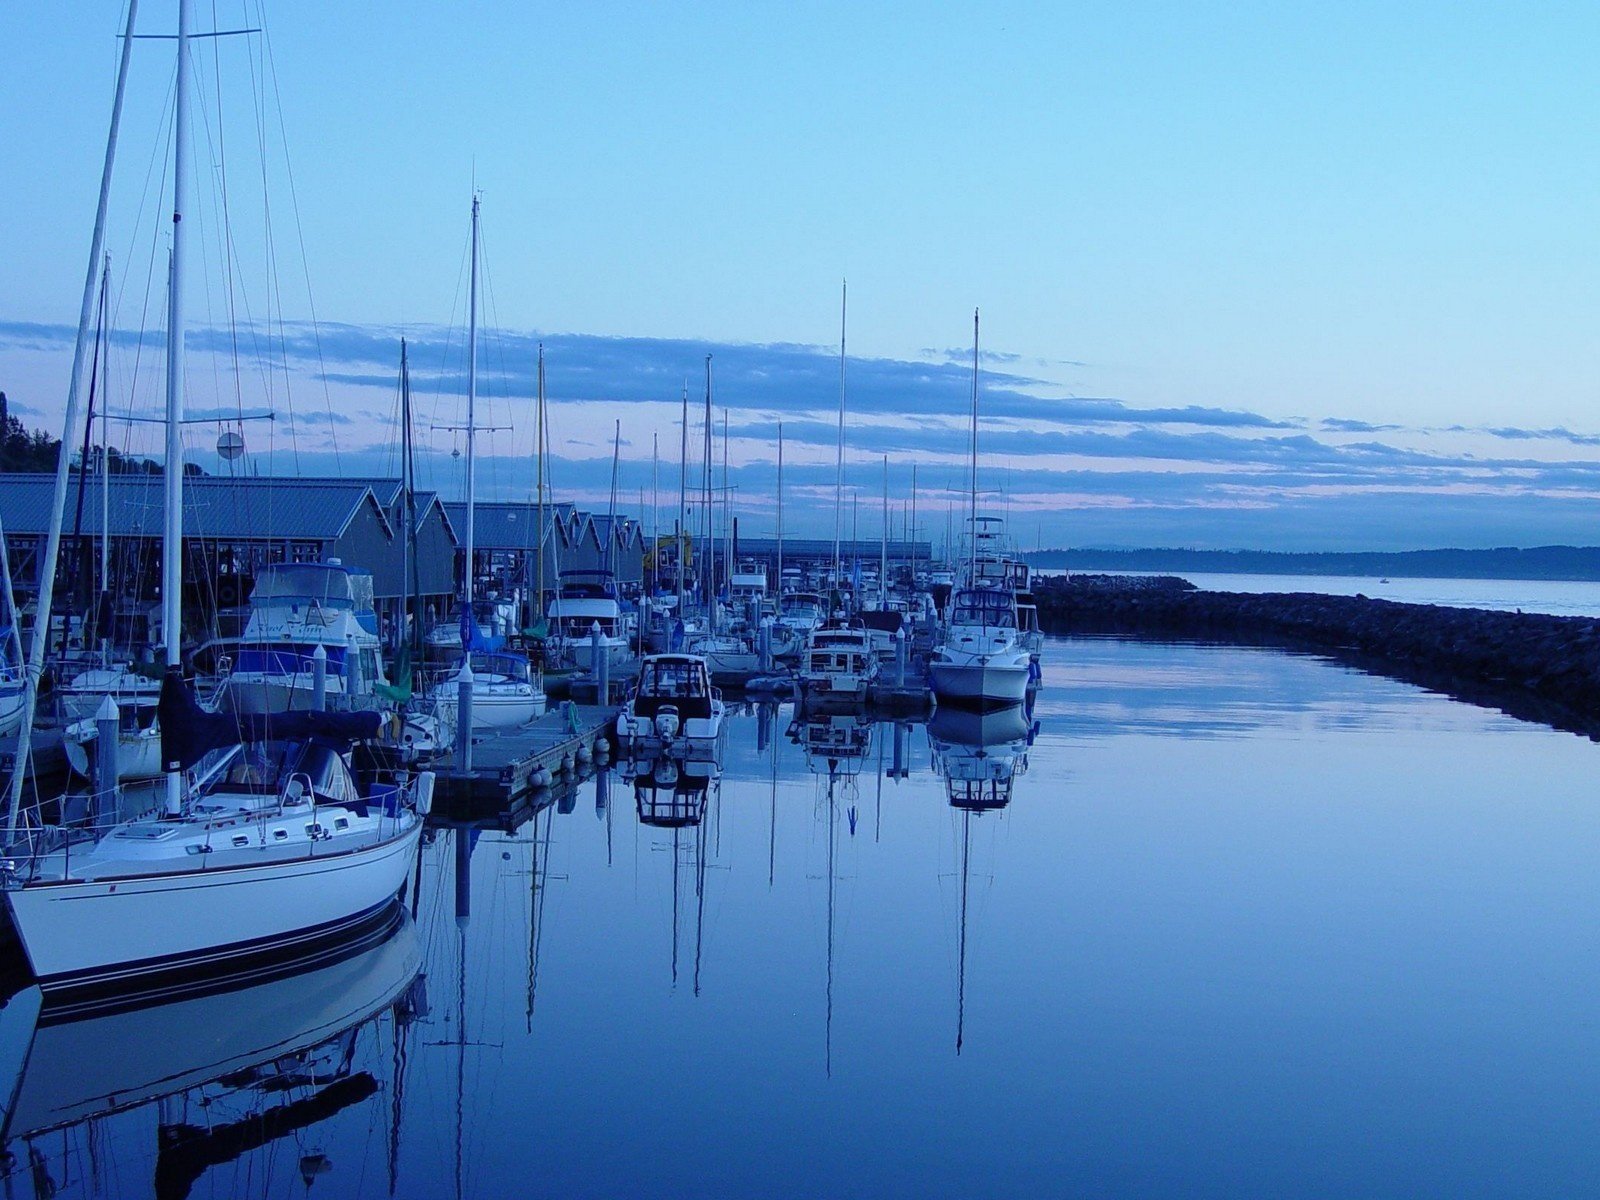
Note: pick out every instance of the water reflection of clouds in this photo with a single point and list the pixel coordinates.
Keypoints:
(1117, 689)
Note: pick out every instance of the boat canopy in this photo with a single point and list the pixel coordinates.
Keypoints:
(189, 732)
(984, 607)
(328, 584)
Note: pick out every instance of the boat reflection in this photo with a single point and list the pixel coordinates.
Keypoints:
(221, 1075)
(670, 792)
(836, 742)
(979, 755)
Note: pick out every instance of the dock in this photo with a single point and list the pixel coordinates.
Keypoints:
(505, 766)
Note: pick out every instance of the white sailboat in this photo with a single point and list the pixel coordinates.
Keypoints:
(982, 661)
(287, 850)
(506, 691)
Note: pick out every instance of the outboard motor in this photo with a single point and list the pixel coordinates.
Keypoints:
(667, 722)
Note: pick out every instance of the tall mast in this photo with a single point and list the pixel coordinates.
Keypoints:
(611, 518)
(538, 488)
(105, 500)
(911, 532)
(710, 544)
(727, 511)
(838, 478)
(682, 532)
(406, 485)
(655, 513)
(52, 547)
(472, 405)
(172, 534)
(883, 549)
(778, 585)
(972, 513)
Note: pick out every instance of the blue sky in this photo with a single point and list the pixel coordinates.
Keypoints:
(1252, 275)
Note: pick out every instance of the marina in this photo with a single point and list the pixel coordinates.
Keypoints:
(582, 616)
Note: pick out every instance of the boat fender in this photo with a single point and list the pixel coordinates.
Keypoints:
(602, 746)
(584, 754)
(424, 793)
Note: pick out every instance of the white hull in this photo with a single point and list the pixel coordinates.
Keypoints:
(116, 928)
(994, 682)
(581, 653)
(138, 753)
(82, 696)
(263, 695)
(494, 706)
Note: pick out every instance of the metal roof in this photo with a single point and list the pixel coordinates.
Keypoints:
(243, 509)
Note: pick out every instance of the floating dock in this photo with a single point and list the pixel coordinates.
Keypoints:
(506, 765)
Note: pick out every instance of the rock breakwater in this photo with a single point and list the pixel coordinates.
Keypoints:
(1530, 665)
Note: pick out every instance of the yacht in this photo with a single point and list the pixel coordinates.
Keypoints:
(981, 662)
(583, 600)
(295, 608)
(506, 692)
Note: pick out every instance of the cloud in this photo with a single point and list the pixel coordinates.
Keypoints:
(1346, 425)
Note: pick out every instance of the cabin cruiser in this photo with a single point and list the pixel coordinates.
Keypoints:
(838, 663)
(672, 704)
(295, 610)
(982, 661)
(583, 600)
(81, 696)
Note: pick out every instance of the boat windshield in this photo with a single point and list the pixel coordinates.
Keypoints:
(588, 585)
(269, 767)
(680, 677)
(995, 609)
(304, 582)
(506, 666)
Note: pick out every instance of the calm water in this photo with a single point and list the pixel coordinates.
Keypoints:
(1250, 925)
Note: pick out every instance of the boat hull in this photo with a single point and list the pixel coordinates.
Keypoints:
(114, 931)
(980, 684)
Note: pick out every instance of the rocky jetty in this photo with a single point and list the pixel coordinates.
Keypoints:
(1530, 665)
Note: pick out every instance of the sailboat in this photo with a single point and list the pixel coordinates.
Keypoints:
(982, 661)
(506, 691)
(284, 851)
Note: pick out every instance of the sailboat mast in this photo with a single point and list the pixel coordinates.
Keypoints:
(172, 532)
(52, 550)
(681, 531)
(538, 489)
(778, 584)
(655, 513)
(472, 405)
(838, 477)
(972, 514)
(406, 485)
(710, 544)
(883, 549)
(611, 516)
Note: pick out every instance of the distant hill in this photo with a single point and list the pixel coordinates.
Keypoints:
(1505, 562)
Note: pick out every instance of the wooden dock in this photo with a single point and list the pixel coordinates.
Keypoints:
(567, 739)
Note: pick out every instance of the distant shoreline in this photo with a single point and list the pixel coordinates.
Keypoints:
(1568, 564)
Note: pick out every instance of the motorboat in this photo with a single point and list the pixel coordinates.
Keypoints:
(584, 600)
(672, 704)
(295, 610)
(982, 661)
(838, 663)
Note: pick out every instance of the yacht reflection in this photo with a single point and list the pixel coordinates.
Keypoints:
(227, 1073)
(979, 755)
(836, 742)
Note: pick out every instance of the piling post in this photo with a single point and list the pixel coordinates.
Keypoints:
(900, 657)
(600, 660)
(106, 723)
(764, 644)
(464, 717)
(319, 679)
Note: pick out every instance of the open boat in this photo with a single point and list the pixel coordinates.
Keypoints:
(672, 705)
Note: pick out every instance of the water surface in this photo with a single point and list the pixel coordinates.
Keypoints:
(1252, 924)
